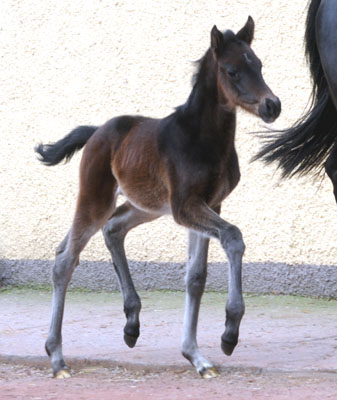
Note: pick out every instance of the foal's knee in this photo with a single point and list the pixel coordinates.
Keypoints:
(232, 241)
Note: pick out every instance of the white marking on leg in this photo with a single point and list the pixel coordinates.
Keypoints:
(195, 283)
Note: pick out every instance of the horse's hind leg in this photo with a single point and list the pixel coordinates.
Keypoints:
(326, 37)
(195, 283)
(125, 218)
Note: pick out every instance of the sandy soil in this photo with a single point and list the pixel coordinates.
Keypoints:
(22, 382)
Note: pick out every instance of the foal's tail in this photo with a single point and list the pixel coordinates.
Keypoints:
(306, 145)
(52, 154)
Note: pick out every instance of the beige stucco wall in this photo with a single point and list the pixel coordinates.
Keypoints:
(81, 62)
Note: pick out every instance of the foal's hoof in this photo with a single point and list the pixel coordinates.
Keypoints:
(208, 373)
(131, 334)
(228, 345)
(63, 374)
(130, 340)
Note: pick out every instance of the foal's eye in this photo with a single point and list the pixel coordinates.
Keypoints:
(233, 74)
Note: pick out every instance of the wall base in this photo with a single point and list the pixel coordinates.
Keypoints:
(258, 278)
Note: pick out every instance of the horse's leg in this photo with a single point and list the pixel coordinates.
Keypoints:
(326, 36)
(195, 283)
(331, 168)
(125, 218)
(95, 205)
(198, 216)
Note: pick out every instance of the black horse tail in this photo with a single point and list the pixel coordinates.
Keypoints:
(305, 146)
(52, 154)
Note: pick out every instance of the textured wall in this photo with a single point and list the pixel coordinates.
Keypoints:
(81, 62)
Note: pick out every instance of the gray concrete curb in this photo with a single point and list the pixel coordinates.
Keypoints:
(258, 278)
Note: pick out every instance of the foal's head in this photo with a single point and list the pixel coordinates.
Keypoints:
(239, 78)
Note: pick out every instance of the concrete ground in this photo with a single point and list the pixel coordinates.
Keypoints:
(281, 336)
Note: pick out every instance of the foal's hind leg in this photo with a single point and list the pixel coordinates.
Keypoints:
(67, 255)
(125, 218)
(195, 283)
(95, 205)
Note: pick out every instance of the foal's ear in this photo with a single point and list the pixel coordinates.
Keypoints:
(247, 32)
(217, 40)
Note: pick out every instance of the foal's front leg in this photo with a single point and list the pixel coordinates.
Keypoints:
(195, 283)
(123, 219)
(196, 215)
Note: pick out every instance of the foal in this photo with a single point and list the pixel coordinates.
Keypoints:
(183, 165)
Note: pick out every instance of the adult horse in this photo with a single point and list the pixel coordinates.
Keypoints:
(183, 165)
(311, 143)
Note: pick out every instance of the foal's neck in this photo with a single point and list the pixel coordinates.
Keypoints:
(207, 106)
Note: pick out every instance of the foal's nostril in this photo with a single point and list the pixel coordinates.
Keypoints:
(273, 107)
(270, 109)
(270, 106)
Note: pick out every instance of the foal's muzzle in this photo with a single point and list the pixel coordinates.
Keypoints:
(270, 109)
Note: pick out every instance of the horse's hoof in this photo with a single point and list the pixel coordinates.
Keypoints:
(63, 374)
(130, 340)
(208, 373)
(228, 347)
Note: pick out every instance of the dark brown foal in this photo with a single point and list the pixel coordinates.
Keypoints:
(184, 165)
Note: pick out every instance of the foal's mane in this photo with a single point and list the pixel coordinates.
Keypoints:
(305, 146)
(200, 74)
(202, 83)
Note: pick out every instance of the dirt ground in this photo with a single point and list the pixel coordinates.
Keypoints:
(26, 383)
(287, 349)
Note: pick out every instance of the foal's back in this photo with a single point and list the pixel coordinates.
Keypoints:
(130, 143)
